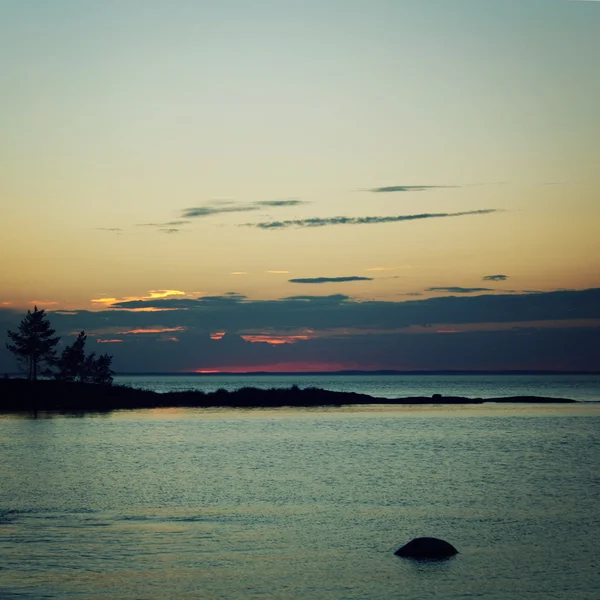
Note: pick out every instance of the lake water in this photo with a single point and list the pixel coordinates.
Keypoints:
(577, 387)
(302, 504)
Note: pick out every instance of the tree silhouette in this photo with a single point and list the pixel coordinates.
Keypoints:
(33, 343)
(74, 365)
(72, 361)
(98, 369)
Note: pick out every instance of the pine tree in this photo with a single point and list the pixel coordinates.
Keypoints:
(72, 363)
(98, 369)
(33, 343)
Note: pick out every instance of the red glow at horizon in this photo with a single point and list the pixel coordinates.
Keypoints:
(275, 340)
(287, 367)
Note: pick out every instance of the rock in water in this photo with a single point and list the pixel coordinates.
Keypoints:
(427, 548)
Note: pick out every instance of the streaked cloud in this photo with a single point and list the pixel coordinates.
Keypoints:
(230, 206)
(275, 340)
(330, 279)
(277, 272)
(239, 273)
(495, 278)
(285, 202)
(323, 222)
(144, 330)
(207, 211)
(409, 188)
(458, 290)
(176, 223)
(389, 268)
(113, 229)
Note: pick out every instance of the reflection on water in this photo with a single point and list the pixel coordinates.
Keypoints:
(300, 503)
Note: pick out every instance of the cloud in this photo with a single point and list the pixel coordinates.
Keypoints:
(277, 272)
(495, 278)
(365, 333)
(167, 224)
(275, 340)
(330, 279)
(239, 273)
(319, 222)
(113, 229)
(207, 211)
(236, 207)
(169, 230)
(150, 330)
(409, 188)
(290, 202)
(458, 290)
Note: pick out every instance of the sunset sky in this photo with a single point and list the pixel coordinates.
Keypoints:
(307, 185)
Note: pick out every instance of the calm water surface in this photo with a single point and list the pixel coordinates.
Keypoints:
(301, 504)
(576, 387)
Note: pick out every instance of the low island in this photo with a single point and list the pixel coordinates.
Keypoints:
(20, 395)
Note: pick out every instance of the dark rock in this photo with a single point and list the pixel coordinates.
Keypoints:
(427, 548)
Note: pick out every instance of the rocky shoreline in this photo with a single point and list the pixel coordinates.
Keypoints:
(19, 395)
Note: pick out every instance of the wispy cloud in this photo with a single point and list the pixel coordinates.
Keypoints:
(287, 202)
(169, 230)
(230, 206)
(322, 222)
(409, 188)
(458, 290)
(389, 268)
(278, 272)
(207, 211)
(239, 273)
(113, 229)
(495, 278)
(167, 224)
(275, 340)
(143, 330)
(330, 279)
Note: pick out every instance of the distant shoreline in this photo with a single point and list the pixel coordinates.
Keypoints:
(19, 395)
(348, 372)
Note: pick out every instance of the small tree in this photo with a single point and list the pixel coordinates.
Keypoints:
(72, 363)
(98, 369)
(33, 343)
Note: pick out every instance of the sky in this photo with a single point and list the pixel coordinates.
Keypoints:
(315, 185)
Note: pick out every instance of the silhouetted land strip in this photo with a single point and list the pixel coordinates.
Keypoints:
(19, 395)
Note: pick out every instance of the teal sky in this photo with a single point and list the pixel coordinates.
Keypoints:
(118, 114)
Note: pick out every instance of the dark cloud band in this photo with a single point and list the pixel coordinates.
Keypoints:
(330, 279)
(232, 207)
(495, 278)
(409, 188)
(458, 290)
(319, 222)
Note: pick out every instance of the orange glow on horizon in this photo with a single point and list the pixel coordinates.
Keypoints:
(275, 340)
(151, 330)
